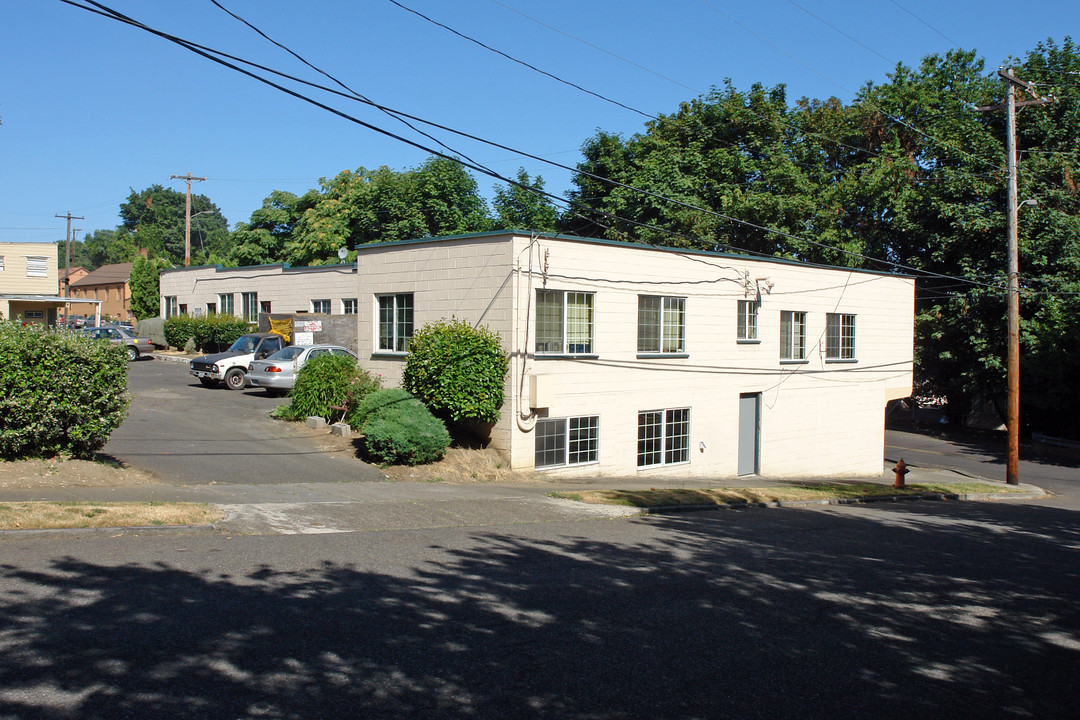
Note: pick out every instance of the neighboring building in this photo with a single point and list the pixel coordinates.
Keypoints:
(76, 273)
(635, 360)
(109, 288)
(28, 283)
(248, 291)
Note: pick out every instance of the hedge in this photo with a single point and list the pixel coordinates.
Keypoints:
(212, 333)
(60, 393)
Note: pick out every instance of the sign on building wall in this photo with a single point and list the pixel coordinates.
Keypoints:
(304, 338)
(307, 326)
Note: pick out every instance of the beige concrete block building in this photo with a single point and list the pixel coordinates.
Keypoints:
(633, 360)
(625, 360)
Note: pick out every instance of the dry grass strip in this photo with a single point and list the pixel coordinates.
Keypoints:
(55, 515)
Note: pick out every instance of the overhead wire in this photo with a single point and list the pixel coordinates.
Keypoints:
(210, 54)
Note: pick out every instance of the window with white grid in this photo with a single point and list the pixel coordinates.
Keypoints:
(839, 336)
(564, 322)
(663, 437)
(567, 441)
(792, 335)
(320, 306)
(661, 324)
(395, 322)
(747, 322)
(250, 302)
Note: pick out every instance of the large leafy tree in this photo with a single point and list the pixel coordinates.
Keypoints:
(437, 198)
(524, 206)
(155, 217)
(907, 177)
(262, 240)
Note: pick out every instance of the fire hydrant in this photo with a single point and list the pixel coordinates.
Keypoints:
(901, 470)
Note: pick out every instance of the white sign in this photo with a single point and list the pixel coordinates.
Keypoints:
(303, 338)
(308, 325)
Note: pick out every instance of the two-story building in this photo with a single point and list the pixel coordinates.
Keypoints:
(28, 283)
(624, 359)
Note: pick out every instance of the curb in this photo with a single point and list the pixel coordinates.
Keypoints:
(663, 509)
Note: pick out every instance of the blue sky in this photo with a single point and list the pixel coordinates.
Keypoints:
(92, 108)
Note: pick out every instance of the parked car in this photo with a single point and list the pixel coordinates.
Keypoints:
(277, 373)
(231, 366)
(137, 346)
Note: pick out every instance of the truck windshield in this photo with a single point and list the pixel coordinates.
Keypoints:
(244, 344)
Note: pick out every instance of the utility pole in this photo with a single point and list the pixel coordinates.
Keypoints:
(187, 214)
(67, 262)
(1012, 414)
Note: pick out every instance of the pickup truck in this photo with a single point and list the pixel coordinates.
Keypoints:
(231, 366)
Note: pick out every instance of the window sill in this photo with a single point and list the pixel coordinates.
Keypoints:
(389, 353)
(662, 356)
(747, 341)
(794, 362)
(840, 361)
(586, 356)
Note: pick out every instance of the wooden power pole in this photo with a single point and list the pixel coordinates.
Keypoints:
(1012, 370)
(67, 262)
(187, 214)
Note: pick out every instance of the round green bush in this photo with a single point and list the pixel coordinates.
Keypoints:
(322, 382)
(399, 430)
(457, 370)
(60, 393)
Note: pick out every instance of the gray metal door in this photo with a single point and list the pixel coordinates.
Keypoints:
(749, 405)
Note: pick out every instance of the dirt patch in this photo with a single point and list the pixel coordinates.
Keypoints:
(65, 472)
(460, 465)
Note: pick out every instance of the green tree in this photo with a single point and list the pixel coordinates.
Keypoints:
(262, 240)
(517, 207)
(144, 285)
(155, 218)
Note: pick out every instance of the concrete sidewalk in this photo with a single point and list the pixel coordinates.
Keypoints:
(329, 507)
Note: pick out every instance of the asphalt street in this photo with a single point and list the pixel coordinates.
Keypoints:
(891, 610)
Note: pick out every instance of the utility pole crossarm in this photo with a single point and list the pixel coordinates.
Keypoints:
(187, 214)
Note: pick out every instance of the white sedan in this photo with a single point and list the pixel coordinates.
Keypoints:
(277, 373)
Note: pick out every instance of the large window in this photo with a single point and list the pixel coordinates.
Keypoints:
(348, 306)
(395, 322)
(172, 309)
(839, 336)
(663, 437)
(747, 322)
(251, 306)
(792, 335)
(320, 306)
(661, 324)
(36, 266)
(567, 441)
(226, 302)
(564, 322)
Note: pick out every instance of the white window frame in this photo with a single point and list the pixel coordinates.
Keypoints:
(568, 441)
(792, 336)
(348, 306)
(321, 306)
(37, 266)
(172, 306)
(227, 303)
(663, 438)
(839, 337)
(747, 322)
(394, 322)
(249, 306)
(1, 263)
(661, 325)
(565, 322)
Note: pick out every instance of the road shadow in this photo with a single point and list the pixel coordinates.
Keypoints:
(928, 610)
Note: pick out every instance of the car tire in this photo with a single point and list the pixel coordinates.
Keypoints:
(132, 353)
(208, 382)
(235, 379)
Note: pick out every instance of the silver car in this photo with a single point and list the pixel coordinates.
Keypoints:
(136, 345)
(277, 373)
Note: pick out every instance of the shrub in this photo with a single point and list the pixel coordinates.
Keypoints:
(60, 393)
(399, 430)
(457, 370)
(323, 381)
(211, 333)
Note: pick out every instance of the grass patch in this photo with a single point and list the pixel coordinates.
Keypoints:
(56, 515)
(737, 496)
